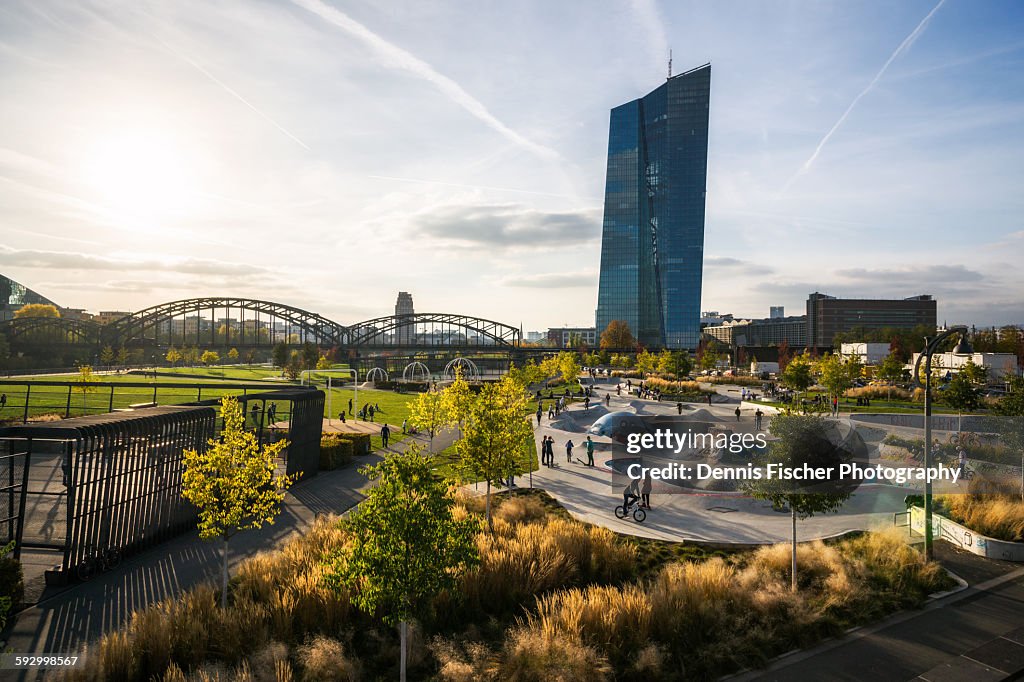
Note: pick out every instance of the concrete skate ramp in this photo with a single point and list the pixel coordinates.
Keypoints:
(578, 421)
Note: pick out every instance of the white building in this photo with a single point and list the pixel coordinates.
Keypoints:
(999, 365)
(867, 353)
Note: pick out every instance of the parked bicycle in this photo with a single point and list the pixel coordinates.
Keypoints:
(97, 561)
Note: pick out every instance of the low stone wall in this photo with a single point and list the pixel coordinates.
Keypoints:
(940, 422)
(967, 539)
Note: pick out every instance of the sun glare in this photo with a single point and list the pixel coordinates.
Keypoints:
(142, 177)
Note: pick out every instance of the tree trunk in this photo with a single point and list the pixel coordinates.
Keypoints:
(792, 585)
(405, 646)
(490, 523)
(224, 576)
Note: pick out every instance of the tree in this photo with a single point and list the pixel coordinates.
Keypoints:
(294, 366)
(961, 395)
(310, 355)
(784, 355)
(233, 483)
(833, 374)
(279, 355)
(173, 356)
(497, 434)
(569, 367)
(591, 359)
(233, 355)
(122, 356)
(84, 384)
(250, 356)
(209, 357)
(891, 371)
(675, 362)
(458, 399)
(37, 310)
(617, 335)
(800, 441)
(428, 412)
(709, 359)
(107, 356)
(323, 362)
(977, 374)
(406, 544)
(646, 362)
(797, 375)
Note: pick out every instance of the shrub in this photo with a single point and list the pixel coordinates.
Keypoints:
(674, 388)
(324, 660)
(534, 656)
(997, 516)
(878, 393)
(335, 452)
(360, 442)
(12, 584)
(520, 509)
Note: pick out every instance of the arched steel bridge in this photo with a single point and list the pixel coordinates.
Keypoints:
(242, 322)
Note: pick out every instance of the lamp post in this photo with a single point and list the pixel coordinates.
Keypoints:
(930, 346)
(355, 385)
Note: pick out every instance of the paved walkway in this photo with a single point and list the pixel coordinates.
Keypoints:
(67, 618)
(973, 635)
(588, 494)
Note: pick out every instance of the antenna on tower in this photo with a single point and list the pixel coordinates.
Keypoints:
(670, 63)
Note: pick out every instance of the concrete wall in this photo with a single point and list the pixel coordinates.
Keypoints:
(967, 539)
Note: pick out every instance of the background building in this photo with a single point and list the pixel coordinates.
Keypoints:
(403, 306)
(999, 365)
(652, 243)
(14, 295)
(563, 336)
(867, 353)
(776, 311)
(828, 315)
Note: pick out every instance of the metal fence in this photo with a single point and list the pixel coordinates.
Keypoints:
(104, 486)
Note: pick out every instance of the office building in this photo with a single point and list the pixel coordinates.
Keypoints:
(761, 333)
(828, 315)
(405, 333)
(564, 337)
(776, 311)
(652, 242)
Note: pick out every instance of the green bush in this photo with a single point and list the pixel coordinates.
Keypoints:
(360, 442)
(335, 452)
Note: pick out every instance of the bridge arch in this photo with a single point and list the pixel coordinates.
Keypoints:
(432, 329)
(241, 322)
(49, 330)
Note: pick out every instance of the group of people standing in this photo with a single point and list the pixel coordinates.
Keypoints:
(547, 451)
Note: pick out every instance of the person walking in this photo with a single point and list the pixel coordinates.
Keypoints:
(709, 399)
(342, 416)
(586, 403)
(350, 405)
(549, 448)
(272, 413)
(737, 413)
(385, 434)
(3, 400)
(405, 425)
(568, 450)
(539, 412)
(544, 451)
(590, 451)
(679, 407)
(607, 399)
(758, 416)
(645, 491)
(961, 457)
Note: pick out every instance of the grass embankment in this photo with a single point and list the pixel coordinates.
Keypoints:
(552, 598)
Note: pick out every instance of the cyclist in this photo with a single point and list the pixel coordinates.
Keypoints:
(630, 494)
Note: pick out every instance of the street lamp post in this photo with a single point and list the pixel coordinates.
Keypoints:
(930, 346)
(355, 385)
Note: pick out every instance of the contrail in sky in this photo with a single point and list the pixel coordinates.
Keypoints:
(904, 46)
(402, 59)
(233, 93)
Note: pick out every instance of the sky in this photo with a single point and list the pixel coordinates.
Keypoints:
(330, 153)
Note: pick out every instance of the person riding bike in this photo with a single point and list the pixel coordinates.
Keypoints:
(630, 494)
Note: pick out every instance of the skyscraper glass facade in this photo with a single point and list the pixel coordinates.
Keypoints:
(652, 244)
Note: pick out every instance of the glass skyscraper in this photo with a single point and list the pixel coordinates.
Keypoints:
(652, 242)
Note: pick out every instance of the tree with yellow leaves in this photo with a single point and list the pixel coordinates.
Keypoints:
(233, 483)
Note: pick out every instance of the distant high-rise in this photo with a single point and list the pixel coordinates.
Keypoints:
(652, 243)
(776, 312)
(404, 333)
